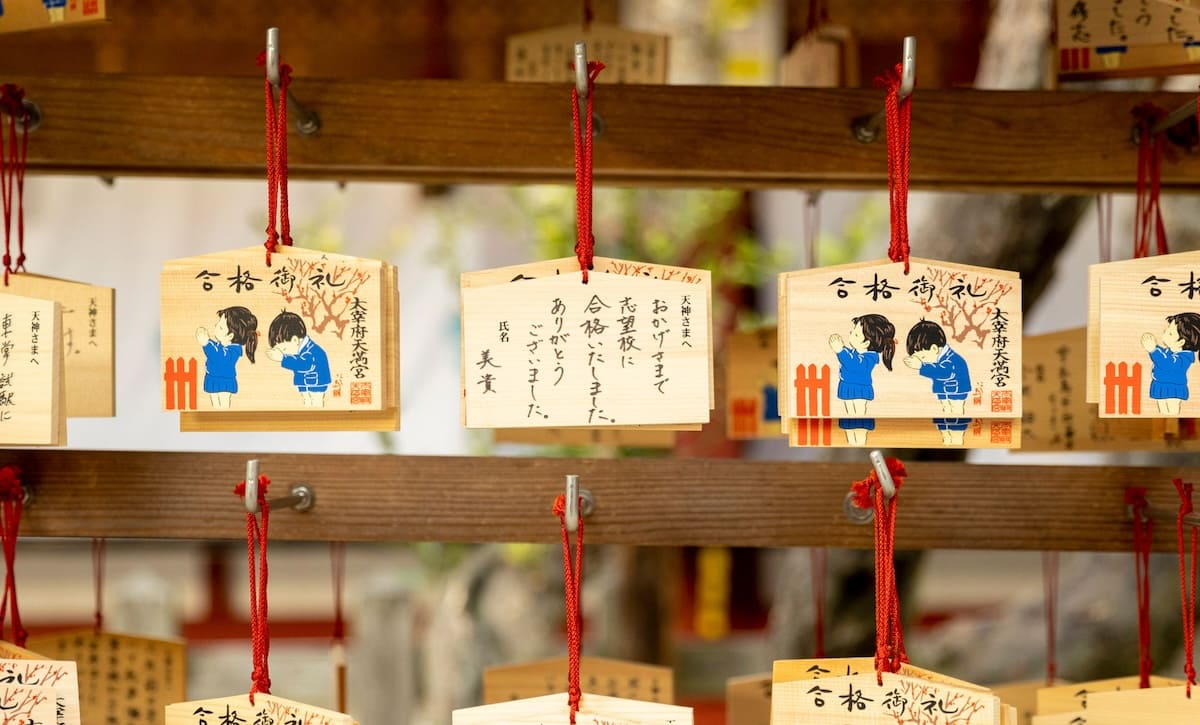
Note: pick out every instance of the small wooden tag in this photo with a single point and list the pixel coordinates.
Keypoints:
(32, 383)
(1071, 702)
(56, 675)
(748, 699)
(20, 15)
(752, 384)
(87, 338)
(266, 708)
(547, 56)
(553, 710)
(1022, 696)
(1159, 705)
(150, 673)
(1106, 39)
(630, 348)
(10, 651)
(598, 676)
(824, 58)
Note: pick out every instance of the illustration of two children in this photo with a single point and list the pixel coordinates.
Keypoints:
(872, 340)
(236, 332)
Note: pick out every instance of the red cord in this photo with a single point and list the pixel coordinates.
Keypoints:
(1187, 587)
(12, 172)
(889, 634)
(585, 242)
(1143, 539)
(1148, 219)
(277, 165)
(98, 547)
(337, 564)
(12, 504)
(1050, 587)
(819, 564)
(572, 576)
(899, 122)
(260, 635)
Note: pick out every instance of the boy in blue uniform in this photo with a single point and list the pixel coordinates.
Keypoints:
(932, 358)
(294, 350)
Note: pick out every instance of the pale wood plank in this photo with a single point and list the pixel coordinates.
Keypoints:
(278, 708)
(598, 676)
(593, 710)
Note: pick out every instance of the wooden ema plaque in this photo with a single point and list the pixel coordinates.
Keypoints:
(824, 58)
(547, 56)
(752, 385)
(87, 340)
(840, 691)
(266, 709)
(32, 384)
(1075, 704)
(1111, 38)
(20, 15)
(598, 676)
(632, 347)
(123, 680)
(57, 676)
(324, 328)
(553, 710)
(23, 705)
(748, 699)
(1021, 695)
(616, 437)
(905, 433)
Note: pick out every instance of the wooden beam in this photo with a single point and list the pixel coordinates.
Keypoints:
(459, 131)
(657, 502)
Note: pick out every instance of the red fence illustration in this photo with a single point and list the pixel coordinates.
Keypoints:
(812, 404)
(745, 416)
(181, 384)
(1123, 388)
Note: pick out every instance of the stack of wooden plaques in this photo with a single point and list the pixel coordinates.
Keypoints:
(630, 348)
(32, 383)
(752, 384)
(1116, 701)
(309, 343)
(927, 359)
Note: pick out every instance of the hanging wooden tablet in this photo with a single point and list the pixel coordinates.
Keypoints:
(266, 709)
(622, 437)
(10, 651)
(827, 57)
(1074, 704)
(546, 56)
(632, 347)
(59, 676)
(598, 676)
(32, 384)
(21, 15)
(25, 704)
(752, 384)
(748, 699)
(123, 679)
(1159, 705)
(87, 340)
(1113, 38)
(1022, 696)
(553, 710)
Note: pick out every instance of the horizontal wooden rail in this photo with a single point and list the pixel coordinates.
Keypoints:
(638, 501)
(458, 132)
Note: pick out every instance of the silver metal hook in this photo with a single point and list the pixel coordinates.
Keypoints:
(300, 497)
(573, 497)
(582, 87)
(866, 515)
(307, 121)
(1186, 112)
(866, 128)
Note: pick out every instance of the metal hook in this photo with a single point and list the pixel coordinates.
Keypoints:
(1156, 512)
(866, 128)
(33, 116)
(300, 497)
(1183, 114)
(307, 121)
(573, 508)
(865, 515)
(582, 87)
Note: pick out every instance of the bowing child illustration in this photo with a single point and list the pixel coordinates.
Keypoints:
(1170, 359)
(872, 340)
(932, 358)
(235, 333)
(294, 350)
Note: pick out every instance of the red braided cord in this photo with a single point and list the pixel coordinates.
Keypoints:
(337, 565)
(12, 504)
(899, 121)
(1187, 587)
(819, 564)
(1050, 592)
(1143, 539)
(281, 161)
(889, 634)
(98, 547)
(585, 242)
(1148, 219)
(12, 172)
(260, 635)
(572, 577)
(20, 164)
(278, 221)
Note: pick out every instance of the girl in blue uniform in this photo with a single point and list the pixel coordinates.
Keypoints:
(235, 333)
(1170, 359)
(872, 339)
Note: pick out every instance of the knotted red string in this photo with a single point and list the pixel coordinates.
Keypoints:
(889, 634)
(12, 504)
(1050, 591)
(260, 635)
(1148, 219)
(337, 565)
(819, 564)
(98, 547)
(277, 164)
(1187, 587)
(572, 576)
(899, 121)
(585, 242)
(12, 172)
(1143, 539)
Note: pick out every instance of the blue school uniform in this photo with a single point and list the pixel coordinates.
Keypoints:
(952, 423)
(1169, 373)
(951, 379)
(854, 376)
(220, 367)
(309, 366)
